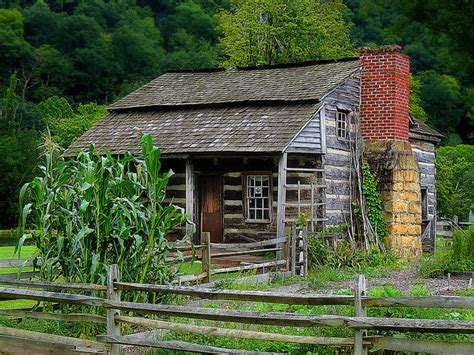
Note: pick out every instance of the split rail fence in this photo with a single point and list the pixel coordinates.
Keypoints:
(119, 312)
(290, 253)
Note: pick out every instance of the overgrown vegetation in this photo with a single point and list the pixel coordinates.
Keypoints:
(96, 210)
(373, 203)
(455, 180)
(459, 258)
(385, 290)
(322, 253)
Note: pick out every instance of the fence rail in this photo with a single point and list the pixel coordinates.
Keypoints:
(444, 231)
(212, 251)
(111, 343)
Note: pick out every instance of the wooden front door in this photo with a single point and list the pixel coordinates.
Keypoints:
(210, 206)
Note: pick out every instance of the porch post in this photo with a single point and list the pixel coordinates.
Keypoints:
(189, 194)
(281, 198)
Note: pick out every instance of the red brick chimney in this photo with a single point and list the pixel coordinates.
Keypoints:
(385, 82)
(384, 126)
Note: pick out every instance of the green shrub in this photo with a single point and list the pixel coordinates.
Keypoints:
(463, 245)
(373, 202)
(420, 290)
(460, 258)
(435, 265)
(346, 255)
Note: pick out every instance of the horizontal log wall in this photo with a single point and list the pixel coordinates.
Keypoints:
(338, 156)
(236, 228)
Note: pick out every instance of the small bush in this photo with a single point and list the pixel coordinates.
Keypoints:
(435, 265)
(345, 255)
(463, 245)
(420, 290)
(460, 258)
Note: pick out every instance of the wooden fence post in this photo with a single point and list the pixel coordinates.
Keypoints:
(113, 329)
(287, 252)
(305, 251)
(293, 250)
(360, 311)
(206, 255)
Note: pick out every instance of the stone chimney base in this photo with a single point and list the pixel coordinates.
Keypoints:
(399, 188)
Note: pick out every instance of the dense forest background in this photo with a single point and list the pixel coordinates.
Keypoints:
(62, 61)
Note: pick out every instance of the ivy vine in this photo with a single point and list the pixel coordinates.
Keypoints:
(373, 202)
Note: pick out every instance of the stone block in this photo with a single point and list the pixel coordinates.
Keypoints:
(403, 230)
(396, 206)
(405, 247)
(404, 218)
(406, 186)
(414, 207)
(404, 176)
(408, 196)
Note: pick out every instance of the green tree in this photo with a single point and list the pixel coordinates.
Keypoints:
(442, 100)
(455, 180)
(66, 124)
(18, 147)
(15, 53)
(260, 32)
(416, 104)
(137, 45)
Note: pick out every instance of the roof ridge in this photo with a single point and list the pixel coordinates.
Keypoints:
(256, 102)
(266, 66)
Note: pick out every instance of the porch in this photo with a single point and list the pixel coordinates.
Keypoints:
(248, 198)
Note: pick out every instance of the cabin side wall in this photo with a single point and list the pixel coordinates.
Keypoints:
(337, 162)
(425, 155)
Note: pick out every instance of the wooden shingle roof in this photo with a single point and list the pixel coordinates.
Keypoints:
(241, 128)
(238, 110)
(305, 81)
(420, 130)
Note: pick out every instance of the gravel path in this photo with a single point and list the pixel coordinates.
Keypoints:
(404, 280)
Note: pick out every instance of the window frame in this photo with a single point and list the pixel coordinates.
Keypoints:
(245, 202)
(345, 122)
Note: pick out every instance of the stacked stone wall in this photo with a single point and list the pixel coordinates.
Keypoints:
(399, 183)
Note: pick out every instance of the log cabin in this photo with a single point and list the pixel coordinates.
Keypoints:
(254, 148)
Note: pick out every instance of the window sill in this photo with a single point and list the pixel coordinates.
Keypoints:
(258, 221)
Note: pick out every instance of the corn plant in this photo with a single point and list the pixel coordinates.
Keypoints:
(95, 210)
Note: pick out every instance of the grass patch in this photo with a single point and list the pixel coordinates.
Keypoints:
(8, 252)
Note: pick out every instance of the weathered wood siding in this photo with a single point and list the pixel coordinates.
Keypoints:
(425, 154)
(338, 156)
(309, 139)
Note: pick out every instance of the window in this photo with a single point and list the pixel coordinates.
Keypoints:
(341, 124)
(258, 198)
